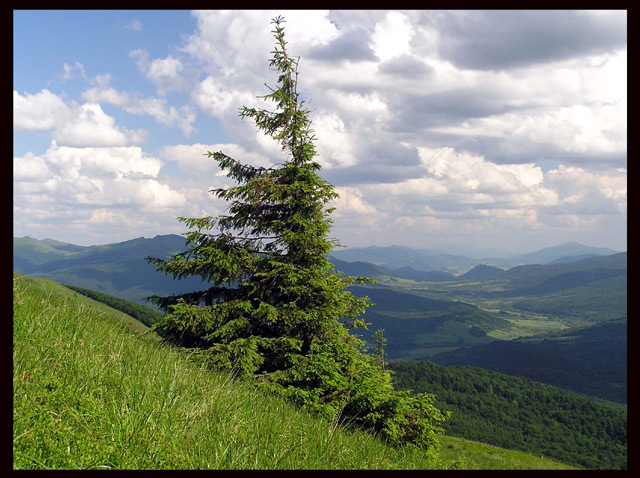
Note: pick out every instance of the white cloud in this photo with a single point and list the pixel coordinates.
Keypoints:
(475, 134)
(88, 125)
(165, 74)
(486, 181)
(95, 176)
(182, 117)
(212, 96)
(70, 124)
(164, 70)
(193, 158)
(350, 204)
(30, 168)
(335, 149)
(135, 25)
(588, 192)
(70, 71)
(392, 37)
(41, 111)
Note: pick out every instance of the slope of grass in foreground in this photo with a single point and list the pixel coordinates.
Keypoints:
(90, 392)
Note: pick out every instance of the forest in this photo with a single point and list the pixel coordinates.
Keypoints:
(517, 413)
(144, 314)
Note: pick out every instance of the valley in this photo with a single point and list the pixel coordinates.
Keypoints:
(563, 323)
(486, 316)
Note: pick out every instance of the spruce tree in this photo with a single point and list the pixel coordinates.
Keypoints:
(274, 309)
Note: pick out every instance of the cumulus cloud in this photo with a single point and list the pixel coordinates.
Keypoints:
(183, 117)
(70, 124)
(165, 74)
(40, 111)
(72, 71)
(352, 44)
(30, 168)
(486, 40)
(98, 180)
(193, 158)
(391, 37)
(350, 203)
(443, 122)
(88, 125)
(587, 192)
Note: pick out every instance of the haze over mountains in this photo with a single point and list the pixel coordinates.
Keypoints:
(123, 266)
(396, 257)
(120, 269)
(561, 309)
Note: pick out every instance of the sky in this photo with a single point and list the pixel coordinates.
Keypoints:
(482, 131)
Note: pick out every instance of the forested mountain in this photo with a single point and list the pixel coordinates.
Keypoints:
(29, 253)
(519, 321)
(481, 271)
(564, 251)
(381, 273)
(544, 279)
(395, 257)
(521, 414)
(562, 324)
(592, 361)
(411, 321)
(118, 269)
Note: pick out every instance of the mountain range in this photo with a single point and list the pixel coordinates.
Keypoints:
(485, 315)
(396, 257)
(120, 269)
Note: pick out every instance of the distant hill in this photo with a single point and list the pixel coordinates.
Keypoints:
(118, 269)
(410, 321)
(567, 259)
(30, 253)
(544, 279)
(381, 273)
(408, 272)
(592, 361)
(390, 257)
(362, 269)
(481, 271)
(550, 254)
(396, 257)
(420, 320)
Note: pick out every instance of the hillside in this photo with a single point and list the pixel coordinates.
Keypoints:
(561, 324)
(422, 318)
(30, 253)
(543, 279)
(395, 257)
(522, 414)
(591, 361)
(90, 392)
(118, 269)
(414, 323)
(481, 271)
(562, 251)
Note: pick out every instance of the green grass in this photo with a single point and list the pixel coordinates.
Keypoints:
(94, 391)
(480, 456)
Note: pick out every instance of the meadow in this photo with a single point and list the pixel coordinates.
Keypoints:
(95, 389)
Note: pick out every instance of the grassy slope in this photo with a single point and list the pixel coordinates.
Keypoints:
(92, 392)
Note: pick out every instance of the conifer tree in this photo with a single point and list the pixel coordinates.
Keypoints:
(274, 309)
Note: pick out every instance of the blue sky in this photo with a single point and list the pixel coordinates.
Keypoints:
(494, 130)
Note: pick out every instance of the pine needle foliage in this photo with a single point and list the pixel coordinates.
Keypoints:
(274, 308)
